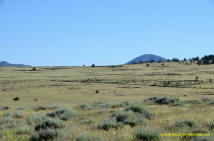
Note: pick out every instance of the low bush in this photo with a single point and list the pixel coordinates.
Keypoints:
(85, 106)
(42, 108)
(103, 105)
(132, 115)
(50, 124)
(185, 124)
(123, 104)
(207, 100)
(6, 121)
(46, 135)
(194, 131)
(88, 121)
(15, 115)
(23, 130)
(211, 125)
(137, 108)
(10, 123)
(147, 135)
(120, 138)
(111, 105)
(36, 119)
(109, 123)
(20, 108)
(193, 101)
(63, 114)
(128, 118)
(4, 107)
(163, 101)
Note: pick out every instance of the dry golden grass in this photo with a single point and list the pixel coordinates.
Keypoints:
(71, 86)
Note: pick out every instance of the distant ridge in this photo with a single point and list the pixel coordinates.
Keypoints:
(147, 58)
(6, 64)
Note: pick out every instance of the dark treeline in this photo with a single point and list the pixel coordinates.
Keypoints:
(206, 60)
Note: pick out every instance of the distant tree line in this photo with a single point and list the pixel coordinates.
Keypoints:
(206, 60)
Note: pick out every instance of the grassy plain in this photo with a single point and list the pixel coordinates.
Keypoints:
(75, 88)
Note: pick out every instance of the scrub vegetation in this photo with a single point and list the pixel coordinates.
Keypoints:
(109, 103)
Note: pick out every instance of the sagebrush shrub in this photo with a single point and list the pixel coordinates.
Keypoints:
(45, 135)
(6, 122)
(16, 115)
(45, 107)
(147, 135)
(10, 123)
(137, 108)
(88, 121)
(63, 114)
(36, 119)
(163, 101)
(50, 124)
(6, 119)
(109, 123)
(4, 107)
(22, 130)
(185, 124)
(211, 125)
(85, 106)
(195, 101)
(128, 118)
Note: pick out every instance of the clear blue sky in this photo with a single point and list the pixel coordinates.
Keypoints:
(104, 32)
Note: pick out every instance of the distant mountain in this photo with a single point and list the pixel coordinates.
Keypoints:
(6, 64)
(147, 58)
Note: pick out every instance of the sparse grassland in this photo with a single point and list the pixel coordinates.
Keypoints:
(115, 103)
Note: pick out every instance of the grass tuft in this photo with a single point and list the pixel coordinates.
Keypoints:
(211, 138)
(84, 137)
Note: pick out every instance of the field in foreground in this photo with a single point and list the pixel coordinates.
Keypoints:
(120, 103)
